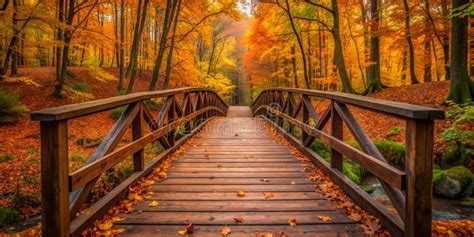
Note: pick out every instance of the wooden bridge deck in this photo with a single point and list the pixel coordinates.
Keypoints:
(231, 155)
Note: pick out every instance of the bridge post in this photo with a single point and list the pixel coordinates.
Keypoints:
(54, 178)
(419, 171)
(137, 133)
(337, 127)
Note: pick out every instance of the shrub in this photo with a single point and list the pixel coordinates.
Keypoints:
(117, 112)
(459, 136)
(152, 105)
(6, 157)
(83, 87)
(88, 142)
(394, 131)
(391, 150)
(10, 106)
(8, 216)
(70, 73)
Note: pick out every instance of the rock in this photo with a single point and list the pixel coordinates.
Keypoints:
(453, 182)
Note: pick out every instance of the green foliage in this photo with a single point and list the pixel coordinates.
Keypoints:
(10, 106)
(26, 199)
(152, 105)
(6, 157)
(70, 73)
(78, 86)
(154, 148)
(88, 142)
(463, 11)
(8, 216)
(394, 131)
(391, 150)
(117, 112)
(459, 136)
(77, 158)
(452, 182)
(352, 170)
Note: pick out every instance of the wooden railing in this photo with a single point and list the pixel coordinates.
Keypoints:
(409, 190)
(63, 194)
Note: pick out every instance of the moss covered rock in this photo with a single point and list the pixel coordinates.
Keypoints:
(453, 182)
(8, 216)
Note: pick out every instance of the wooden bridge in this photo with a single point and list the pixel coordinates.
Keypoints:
(235, 153)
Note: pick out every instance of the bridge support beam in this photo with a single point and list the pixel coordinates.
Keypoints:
(419, 170)
(54, 178)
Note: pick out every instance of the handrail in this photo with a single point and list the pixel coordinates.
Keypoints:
(188, 107)
(409, 190)
(378, 105)
(95, 106)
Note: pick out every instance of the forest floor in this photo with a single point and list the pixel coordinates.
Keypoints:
(21, 177)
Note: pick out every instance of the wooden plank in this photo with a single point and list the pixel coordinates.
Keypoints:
(252, 196)
(55, 190)
(391, 221)
(419, 162)
(233, 188)
(97, 209)
(227, 218)
(233, 206)
(240, 170)
(236, 180)
(238, 174)
(234, 160)
(326, 230)
(238, 165)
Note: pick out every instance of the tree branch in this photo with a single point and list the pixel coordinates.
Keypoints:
(315, 20)
(320, 6)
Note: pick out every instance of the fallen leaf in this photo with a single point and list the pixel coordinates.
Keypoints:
(239, 220)
(265, 180)
(188, 230)
(105, 225)
(293, 183)
(355, 217)
(268, 195)
(241, 194)
(225, 231)
(264, 235)
(325, 218)
(292, 222)
(153, 204)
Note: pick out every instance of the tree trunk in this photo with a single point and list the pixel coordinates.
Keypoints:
(374, 82)
(338, 51)
(293, 61)
(462, 88)
(170, 52)
(169, 14)
(121, 46)
(427, 46)
(411, 48)
(58, 87)
(300, 43)
(134, 52)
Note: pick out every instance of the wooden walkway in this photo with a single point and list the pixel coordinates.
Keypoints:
(236, 154)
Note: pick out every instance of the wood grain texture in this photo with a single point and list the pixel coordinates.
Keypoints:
(202, 188)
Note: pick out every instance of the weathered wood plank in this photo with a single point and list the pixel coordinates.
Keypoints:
(236, 180)
(233, 188)
(250, 196)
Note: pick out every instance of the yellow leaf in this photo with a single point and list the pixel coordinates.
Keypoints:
(153, 204)
(241, 194)
(105, 225)
(225, 231)
(182, 232)
(292, 222)
(325, 218)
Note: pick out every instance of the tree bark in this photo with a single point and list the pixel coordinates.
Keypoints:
(170, 52)
(427, 77)
(121, 54)
(374, 82)
(462, 88)
(411, 48)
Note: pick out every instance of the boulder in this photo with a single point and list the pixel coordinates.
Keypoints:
(453, 182)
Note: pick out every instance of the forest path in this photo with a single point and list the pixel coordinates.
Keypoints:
(236, 154)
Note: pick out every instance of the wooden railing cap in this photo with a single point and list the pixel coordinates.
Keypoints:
(90, 107)
(378, 105)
